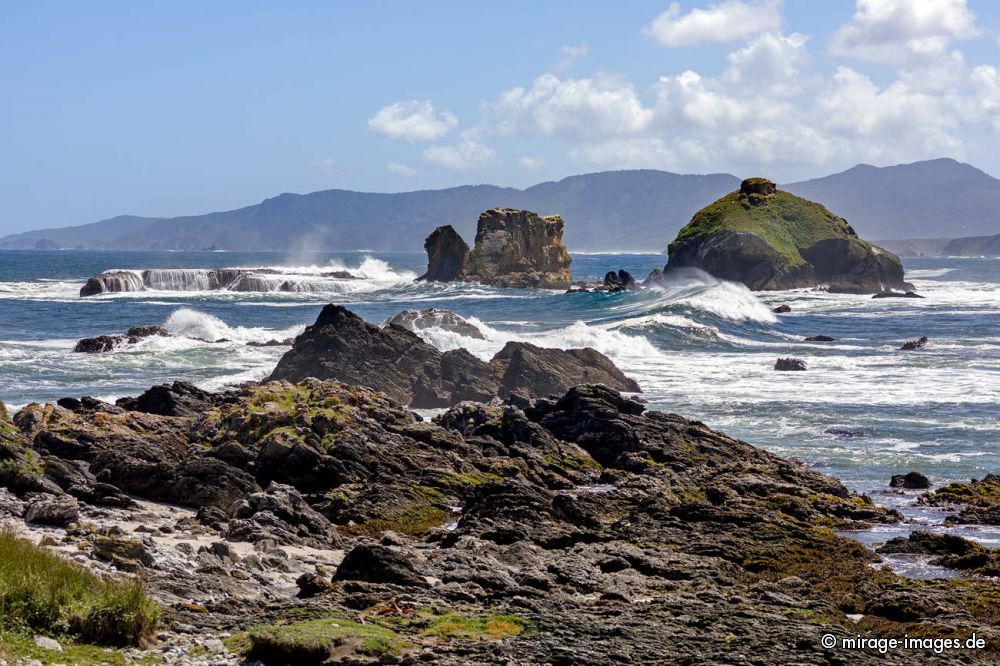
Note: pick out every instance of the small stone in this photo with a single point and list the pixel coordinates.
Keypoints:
(47, 643)
(789, 364)
(912, 480)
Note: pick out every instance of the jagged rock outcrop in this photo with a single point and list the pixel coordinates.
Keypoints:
(620, 281)
(768, 240)
(396, 361)
(447, 254)
(542, 372)
(518, 248)
(513, 248)
(177, 399)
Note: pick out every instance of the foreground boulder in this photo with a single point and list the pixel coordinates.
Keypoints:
(772, 240)
(394, 360)
(541, 372)
(514, 248)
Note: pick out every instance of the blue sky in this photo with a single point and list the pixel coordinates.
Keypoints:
(170, 108)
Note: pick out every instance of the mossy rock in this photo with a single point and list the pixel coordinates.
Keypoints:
(768, 239)
(319, 641)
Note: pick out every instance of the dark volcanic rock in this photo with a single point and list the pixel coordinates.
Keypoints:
(280, 513)
(112, 282)
(620, 281)
(585, 524)
(101, 344)
(146, 331)
(771, 240)
(912, 480)
(784, 308)
(979, 500)
(447, 255)
(418, 320)
(897, 294)
(953, 552)
(914, 344)
(376, 563)
(542, 372)
(786, 364)
(106, 343)
(53, 510)
(177, 399)
(820, 338)
(340, 345)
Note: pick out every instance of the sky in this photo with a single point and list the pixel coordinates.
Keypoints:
(165, 108)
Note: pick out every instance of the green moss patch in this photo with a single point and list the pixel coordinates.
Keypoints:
(786, 222)
(316, 641)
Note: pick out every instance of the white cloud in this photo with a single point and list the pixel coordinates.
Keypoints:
(400, 169)
(649, 153)
(986, 84)
(903, 32)
(531, 162)
(571, 55)
(412, 120)
(575, 108)
(894, 122)
(770, 58)
(463, 156)
(729, 21)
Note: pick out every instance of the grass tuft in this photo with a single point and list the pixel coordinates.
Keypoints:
(43, 592)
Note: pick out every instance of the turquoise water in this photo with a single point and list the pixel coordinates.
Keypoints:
(700, 348)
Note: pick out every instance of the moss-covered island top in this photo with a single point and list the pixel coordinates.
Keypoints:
(788, 223)
(768, 239)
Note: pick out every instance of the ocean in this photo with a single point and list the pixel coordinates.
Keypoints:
(863, 411)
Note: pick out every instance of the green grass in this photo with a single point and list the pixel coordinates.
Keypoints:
(313, 640)
(788, 223)
(45, 593)
(475, 627)
(18, 647)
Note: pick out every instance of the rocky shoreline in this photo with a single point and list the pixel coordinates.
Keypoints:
(322, 522)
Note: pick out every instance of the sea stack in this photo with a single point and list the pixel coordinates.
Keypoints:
(514, 248)
(771, 240)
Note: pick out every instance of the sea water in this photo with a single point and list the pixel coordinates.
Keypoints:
(863, 411)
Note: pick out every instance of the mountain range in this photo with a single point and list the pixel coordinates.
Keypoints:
(633, 210)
